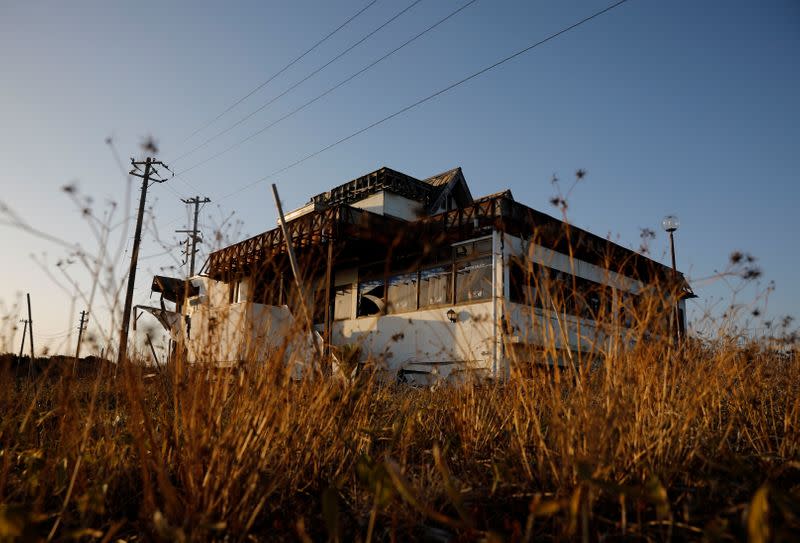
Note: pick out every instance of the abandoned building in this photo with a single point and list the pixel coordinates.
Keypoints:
(422, 278)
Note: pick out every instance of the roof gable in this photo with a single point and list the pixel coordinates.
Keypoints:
(449, 183)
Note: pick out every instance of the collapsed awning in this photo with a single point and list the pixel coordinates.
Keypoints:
(170, 320)
(173, 289)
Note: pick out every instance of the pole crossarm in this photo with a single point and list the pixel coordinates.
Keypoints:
(137, 172)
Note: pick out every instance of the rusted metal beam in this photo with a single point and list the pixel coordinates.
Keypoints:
(344, 224)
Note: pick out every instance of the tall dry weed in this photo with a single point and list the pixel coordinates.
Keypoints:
(650, 439)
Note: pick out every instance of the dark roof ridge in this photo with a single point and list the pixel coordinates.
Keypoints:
(384, 178)
(440, 178)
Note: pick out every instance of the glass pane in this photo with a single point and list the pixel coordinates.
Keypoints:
(343, 303)
(402, 293)
(464, 250)
(483, 247)
(474, 280)
(434, 287)
(523, 283)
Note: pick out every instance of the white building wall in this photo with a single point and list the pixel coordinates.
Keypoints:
(425, 340)
(373, 203)
(400, 207)
(499, 362)
(225, 334)
(388, 203)
(482, 339)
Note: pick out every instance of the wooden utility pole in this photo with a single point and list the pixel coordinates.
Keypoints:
(193, 234)
(298, 280)
(30, 334)
(81, 328)
(186, 252)
(21, 346)
(146, 176)
(30, 324)
(296, 272)
(24, 333)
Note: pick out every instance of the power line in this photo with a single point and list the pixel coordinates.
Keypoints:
(298, 83)
(429, 97)
(162, 253)
(279, 72)
(123, 171)
(58, 335)
(331, 89)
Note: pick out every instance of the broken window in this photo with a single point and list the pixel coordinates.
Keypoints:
(268, 290)
(343, 303)
(401, 294)
(524, 283)
(596, 298)
(592, 303)
(473, 249)
(558, 285)
(627, 308)
(435, 286)
(370, 298)
(474, 280)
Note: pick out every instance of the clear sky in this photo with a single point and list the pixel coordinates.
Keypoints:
(678, 107)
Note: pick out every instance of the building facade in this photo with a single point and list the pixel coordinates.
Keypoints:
(425, 281)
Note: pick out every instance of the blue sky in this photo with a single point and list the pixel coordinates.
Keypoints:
(672, 107)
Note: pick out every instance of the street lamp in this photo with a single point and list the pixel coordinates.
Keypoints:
(452, 316)
(670, 223)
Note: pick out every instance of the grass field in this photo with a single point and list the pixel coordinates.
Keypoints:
(654, 444)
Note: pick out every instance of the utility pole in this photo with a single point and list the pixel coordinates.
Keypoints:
(30, 333)
(21, 345)
(193, 234)
(24, 333)
(186, 252)
(30, 324)
(149, 169)
(81, 328)
(296, 272)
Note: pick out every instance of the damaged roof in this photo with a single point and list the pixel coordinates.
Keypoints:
(448, 220)
(430, 192)
(382, 179)
(173, 289)
(442, 179)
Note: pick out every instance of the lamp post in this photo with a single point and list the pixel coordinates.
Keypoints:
(670, 223)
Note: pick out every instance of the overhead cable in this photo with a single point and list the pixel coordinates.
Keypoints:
(279, 72)
(298, 83)
(330, 90)
(429, 97)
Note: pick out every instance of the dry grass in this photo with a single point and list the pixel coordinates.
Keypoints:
(655, 444)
